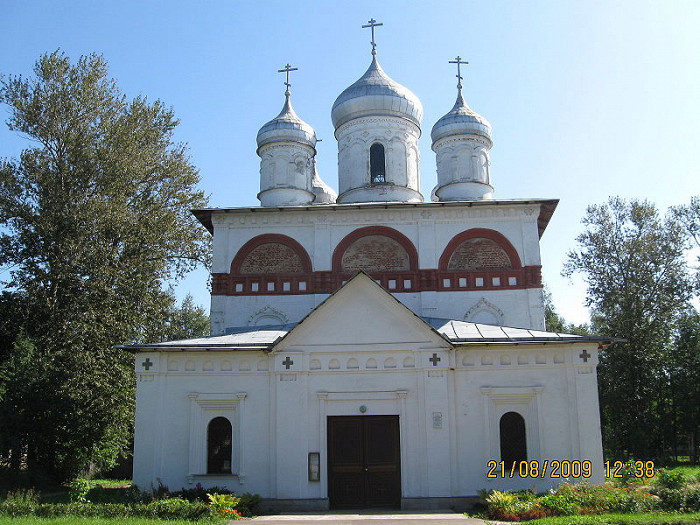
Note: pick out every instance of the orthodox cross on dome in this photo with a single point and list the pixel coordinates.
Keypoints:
(459, 62)
(287, 69)
(372, 23)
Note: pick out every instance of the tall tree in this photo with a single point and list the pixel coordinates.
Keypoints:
(554, 322)
(97, 215)
(684, 375)
(638, 282)
(689, 216)
(185, 321)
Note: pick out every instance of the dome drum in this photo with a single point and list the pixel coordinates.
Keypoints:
(379, 156)
(464, 191)
(285, 196)
(380, 193)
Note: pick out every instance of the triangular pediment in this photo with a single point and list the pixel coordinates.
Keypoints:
(363, 316)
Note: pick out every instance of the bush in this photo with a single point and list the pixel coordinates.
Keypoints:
(568, 500)
(173, 508)
(558, 505)
(79, 489)
(249, 505)
(127, 495)
(224, 505)
(670, 479)
(21, 502)
(199, 493)
(685, 499)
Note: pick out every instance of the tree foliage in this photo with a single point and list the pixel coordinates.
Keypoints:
(554, 322)
(633, 262)
(97, 215)
(684, 377)
(186, 321)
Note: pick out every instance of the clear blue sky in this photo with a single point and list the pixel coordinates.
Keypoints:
(587, 99)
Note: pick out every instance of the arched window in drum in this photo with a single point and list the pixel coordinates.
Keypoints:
(377, 164)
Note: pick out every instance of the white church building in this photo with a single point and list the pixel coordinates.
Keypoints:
(369, 348)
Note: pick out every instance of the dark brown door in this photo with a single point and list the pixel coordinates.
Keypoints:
(364, 462)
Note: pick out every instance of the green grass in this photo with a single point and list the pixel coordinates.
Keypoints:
(647, 518)
(111, 483)
(70, 520)
(691, 472)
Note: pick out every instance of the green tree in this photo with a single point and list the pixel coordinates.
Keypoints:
(638, 283)
(684, 375)
(554, 322)
(183, 322)
(97, 215)
(689, 216)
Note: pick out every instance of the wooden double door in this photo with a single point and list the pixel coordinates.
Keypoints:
(364, 462)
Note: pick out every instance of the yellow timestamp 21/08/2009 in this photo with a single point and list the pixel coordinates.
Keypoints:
(554, 468)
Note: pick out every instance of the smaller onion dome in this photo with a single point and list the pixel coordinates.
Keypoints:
(461, 120)
(376, 94)
(323, 193)
(287, 127)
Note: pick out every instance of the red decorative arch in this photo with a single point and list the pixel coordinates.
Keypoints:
(384, 231)
(480, 233)
(271, 238)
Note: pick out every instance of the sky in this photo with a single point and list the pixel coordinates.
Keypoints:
(587, 99)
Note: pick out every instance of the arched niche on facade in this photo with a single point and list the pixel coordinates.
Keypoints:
(513, 438)
(375, 249)
(219, 440)
(479, 249)
(271, 254)
(485, 312)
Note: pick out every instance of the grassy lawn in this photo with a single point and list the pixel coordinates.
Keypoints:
(70, 520)
(111, 483)
(648, 518)
(689, 471)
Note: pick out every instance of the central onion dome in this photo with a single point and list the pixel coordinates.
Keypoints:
(376, 94)
(377, 125)
(287, 127)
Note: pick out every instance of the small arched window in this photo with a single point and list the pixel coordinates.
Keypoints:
(377, 164)
(219, 438)
(513, 441)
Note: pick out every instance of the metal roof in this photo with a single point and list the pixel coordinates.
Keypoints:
(547, 207)
(247, 338)
(463, 332)
(457, 332)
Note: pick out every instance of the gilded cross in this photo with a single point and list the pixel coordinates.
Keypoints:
(435, 359)
(287, 69)
(459, 62)
(372, 23)
(287, 362)
(147, 364)
(584, 355)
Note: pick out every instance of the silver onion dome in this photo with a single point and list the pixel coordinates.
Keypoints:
(461, 120)
(287, 127)
(376, 94)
